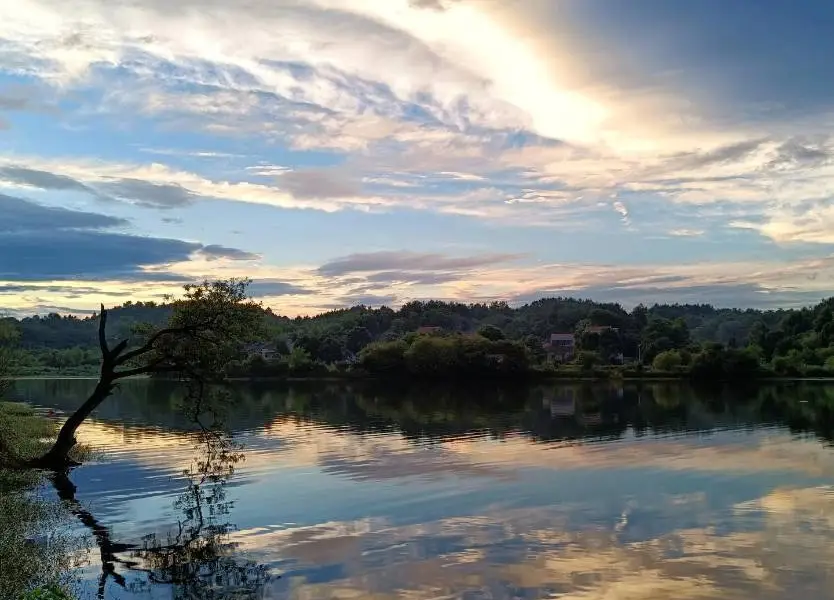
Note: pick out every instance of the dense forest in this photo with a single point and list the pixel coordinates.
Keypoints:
(433, 338)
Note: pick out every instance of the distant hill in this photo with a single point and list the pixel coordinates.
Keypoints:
(357, 326)
(58, 332)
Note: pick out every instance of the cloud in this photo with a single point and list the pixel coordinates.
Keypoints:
(14, 102)
(150, 194)
(621, 209)
(729, 153)
(24, 216)
(319, 183)
(272, 287)
(158, 186)
(67, 291)
(430, 4)
(19, 98)
(683, 232)
(373, 300)
(137, 191)
(408, 261)
(762, 284)
(43, 180)
(209, 154)
(215, 252)
(72, 254)
(40, 243)
(412, 277)
(527, 115)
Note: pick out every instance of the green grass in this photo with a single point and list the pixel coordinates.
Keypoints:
(30, 568)
(26, 432)
(49, 592)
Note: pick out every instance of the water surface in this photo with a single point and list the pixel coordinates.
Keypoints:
(564, 491)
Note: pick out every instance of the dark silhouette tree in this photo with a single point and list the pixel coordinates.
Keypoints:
(204, 335)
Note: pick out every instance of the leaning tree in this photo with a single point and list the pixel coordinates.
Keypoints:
(203, 336)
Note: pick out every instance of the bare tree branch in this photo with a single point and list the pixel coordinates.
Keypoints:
(102, 333)
(154, 367)
(114, 353)
(149, 345)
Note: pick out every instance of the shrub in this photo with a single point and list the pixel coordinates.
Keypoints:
(717, 363)
(384, 358)
(786, 367)
(667, 361)
(491, 332)
(50, 592)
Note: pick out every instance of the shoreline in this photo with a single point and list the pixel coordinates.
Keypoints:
(529, 378)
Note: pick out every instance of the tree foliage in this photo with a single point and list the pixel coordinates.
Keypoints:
(788, 341)
(491, 332)
(445, 356)
(668, 361)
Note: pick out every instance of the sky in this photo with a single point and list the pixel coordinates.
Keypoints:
(340, 152)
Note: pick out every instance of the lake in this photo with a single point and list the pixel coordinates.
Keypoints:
(570, 491)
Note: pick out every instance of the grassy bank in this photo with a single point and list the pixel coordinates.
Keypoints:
(35, 547)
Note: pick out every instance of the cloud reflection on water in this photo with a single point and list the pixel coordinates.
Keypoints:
(347, 512)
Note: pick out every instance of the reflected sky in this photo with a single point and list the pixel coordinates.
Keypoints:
(617, 494)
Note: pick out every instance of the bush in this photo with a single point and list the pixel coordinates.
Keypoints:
(786, 367)
(717, 363)
(384, 358)
(431, 356)
(491, 332)
(668, 361)
(446, 357)
(299, 362)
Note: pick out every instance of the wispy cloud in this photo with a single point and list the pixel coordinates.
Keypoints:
(505, 118)
(407, 261)
(687, 232)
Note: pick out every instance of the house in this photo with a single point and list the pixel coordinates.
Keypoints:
(264, 351)
(561, 347)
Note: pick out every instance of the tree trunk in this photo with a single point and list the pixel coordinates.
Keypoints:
(57, 458)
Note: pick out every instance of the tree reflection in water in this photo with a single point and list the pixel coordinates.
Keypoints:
(197, 559)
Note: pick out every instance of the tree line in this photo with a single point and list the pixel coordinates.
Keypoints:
(474, 338)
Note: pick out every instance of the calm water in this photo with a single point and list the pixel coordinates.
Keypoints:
(568, 491)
